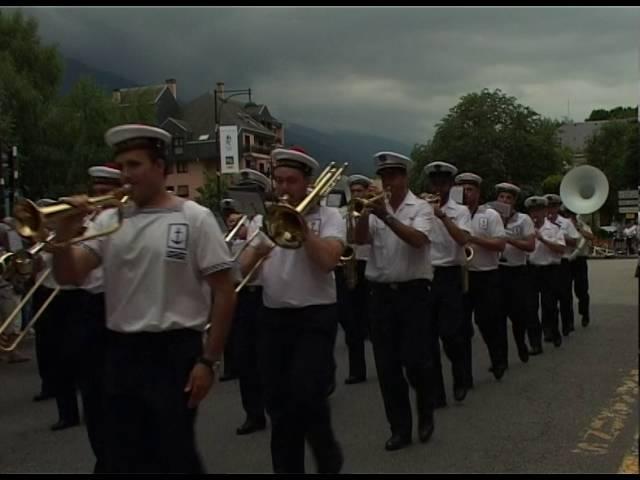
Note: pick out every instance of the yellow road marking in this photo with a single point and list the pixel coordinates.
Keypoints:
(605, 427)
(630, 461)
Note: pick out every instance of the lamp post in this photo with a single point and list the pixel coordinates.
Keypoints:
(217, 118)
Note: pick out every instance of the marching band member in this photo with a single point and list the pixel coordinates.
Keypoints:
(451, 232)
(352, 299)
(571, 237)
(547, 287)
(299, 325)
(514, 282)
(579, 267)
(483, 298)
(399, 274)
(247, 316)
(166, 275)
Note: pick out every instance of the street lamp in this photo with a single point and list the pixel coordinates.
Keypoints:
(217, 117)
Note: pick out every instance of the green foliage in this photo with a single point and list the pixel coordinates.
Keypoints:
(491, 134)
(551, 184)
(616, 113)
(209, 195)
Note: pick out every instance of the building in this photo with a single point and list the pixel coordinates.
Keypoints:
(193, 127)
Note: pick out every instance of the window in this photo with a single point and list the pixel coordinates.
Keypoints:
(178, 145)
(171, 188)
(261, 167)
(183, 190)
(182, 167)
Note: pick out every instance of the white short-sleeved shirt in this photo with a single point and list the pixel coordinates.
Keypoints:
(289, 277)
(445, 251)
(543, 255)
(392, 259)
(569, 231)
(255, 224)
(585, 249)
(519, 227)
(486, 223)
(155, 266)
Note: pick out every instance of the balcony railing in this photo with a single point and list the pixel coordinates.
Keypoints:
(261, 149)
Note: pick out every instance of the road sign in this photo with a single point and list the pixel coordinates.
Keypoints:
(628, 209)
(626, 194)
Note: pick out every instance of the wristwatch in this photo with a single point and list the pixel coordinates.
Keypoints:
(214, 366)
(388, 217)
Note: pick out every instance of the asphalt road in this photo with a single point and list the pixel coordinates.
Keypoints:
(572, 409)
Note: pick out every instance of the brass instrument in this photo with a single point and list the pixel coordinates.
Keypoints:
(348, 258)
(31, 221)
(358, 205)
(285, 225)
(468, 256)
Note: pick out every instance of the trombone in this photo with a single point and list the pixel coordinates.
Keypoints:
(31, 221)
(285, 225)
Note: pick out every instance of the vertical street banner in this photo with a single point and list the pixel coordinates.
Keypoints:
(229, 157)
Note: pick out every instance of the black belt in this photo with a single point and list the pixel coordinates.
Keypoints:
(409, 284)
(545, 267)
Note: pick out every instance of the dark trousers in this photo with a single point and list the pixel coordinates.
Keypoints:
(296, 357)
(514, 291)
(47, 338)
(403, 337)
(566, 296)
(247, 317)
(91, 375)
(148, 425)
(547, 289)
(353, 323)
(483, 302)
(580, 277)
(446, 313)
(361, 299)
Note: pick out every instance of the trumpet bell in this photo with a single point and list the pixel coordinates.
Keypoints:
(31, 222)
(584, 189)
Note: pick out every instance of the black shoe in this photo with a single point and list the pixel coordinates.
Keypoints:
(396, 442)
(226, 377)
(537, 350)
(523, 354)
(459, 393)
(426, 427)
(442, 403)
(64, 424)
(251, 425)
(43, 396)
(352, 380)
(498, 371)
(585, 320)
(332, 388)
(557, 341)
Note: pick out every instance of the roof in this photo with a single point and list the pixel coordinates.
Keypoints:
(199, 115)
(179, 123)
(261, 112)
(147, 94)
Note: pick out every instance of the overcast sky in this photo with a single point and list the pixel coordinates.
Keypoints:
(387, 71)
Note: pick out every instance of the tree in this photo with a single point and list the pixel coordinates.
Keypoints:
(208, 194)
(551, 184)
(614, 150)
(491, 134)
(30, 75)
(616, 113)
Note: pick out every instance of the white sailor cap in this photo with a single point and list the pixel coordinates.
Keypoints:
(508, 188)
(248, 175)
(535, 202)
(228, 204)
(359, 179)
(391, 160)
(131, 136)
(553, 199)
(107, 172)
(469, 178)
(294, 157)
(440, 167)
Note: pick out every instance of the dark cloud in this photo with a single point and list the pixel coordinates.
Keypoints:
(387, 71)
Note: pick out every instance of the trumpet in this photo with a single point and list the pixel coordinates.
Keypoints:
(32, 221)
(358, 205)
